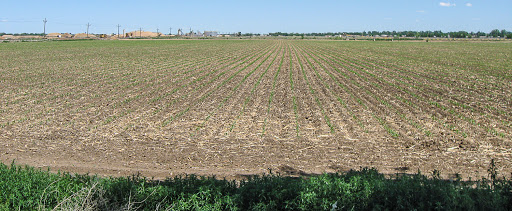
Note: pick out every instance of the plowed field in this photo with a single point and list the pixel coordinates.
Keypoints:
(232, 108)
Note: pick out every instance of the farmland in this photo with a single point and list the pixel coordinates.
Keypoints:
(238, 107)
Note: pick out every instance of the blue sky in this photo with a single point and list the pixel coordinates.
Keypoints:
(256, 16)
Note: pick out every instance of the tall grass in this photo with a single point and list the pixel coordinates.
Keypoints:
(26, 188)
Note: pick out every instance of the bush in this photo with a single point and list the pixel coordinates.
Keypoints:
(26, 188)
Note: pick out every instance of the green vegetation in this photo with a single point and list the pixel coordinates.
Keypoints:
(438, 33)
(27, 188)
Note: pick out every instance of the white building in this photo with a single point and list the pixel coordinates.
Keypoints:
(210, 33)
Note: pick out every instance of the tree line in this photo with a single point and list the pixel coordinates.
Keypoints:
(438, 33)
(22, 34)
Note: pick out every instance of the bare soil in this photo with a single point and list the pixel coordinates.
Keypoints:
(229, 109)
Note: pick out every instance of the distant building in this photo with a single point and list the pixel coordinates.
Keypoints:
(210, 33)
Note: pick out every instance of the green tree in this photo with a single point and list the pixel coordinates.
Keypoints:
(503, 33)
(495, 33)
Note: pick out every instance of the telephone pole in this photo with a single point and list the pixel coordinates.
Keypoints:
(118, 30)
(157, 31)
(170, 30)
(140, 32)
(88, 29)
(44, 29)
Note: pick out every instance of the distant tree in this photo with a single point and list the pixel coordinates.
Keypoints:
(479, 33)
(462, 34)
(503, 33)
(438, 33)
(495, 33)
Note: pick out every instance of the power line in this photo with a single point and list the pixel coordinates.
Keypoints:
(44, 30)
(118, 30)
(88, 29)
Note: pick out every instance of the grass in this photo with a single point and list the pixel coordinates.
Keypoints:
(27, 188)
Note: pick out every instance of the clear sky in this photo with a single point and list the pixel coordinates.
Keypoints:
(255, 16)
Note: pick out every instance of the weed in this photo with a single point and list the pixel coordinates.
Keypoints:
(26, 188)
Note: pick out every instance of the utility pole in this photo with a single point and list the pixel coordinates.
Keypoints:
(118, 30)
(88, 29)
(170, 30)
(140, 32)
(157, 31)
(44, 30)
